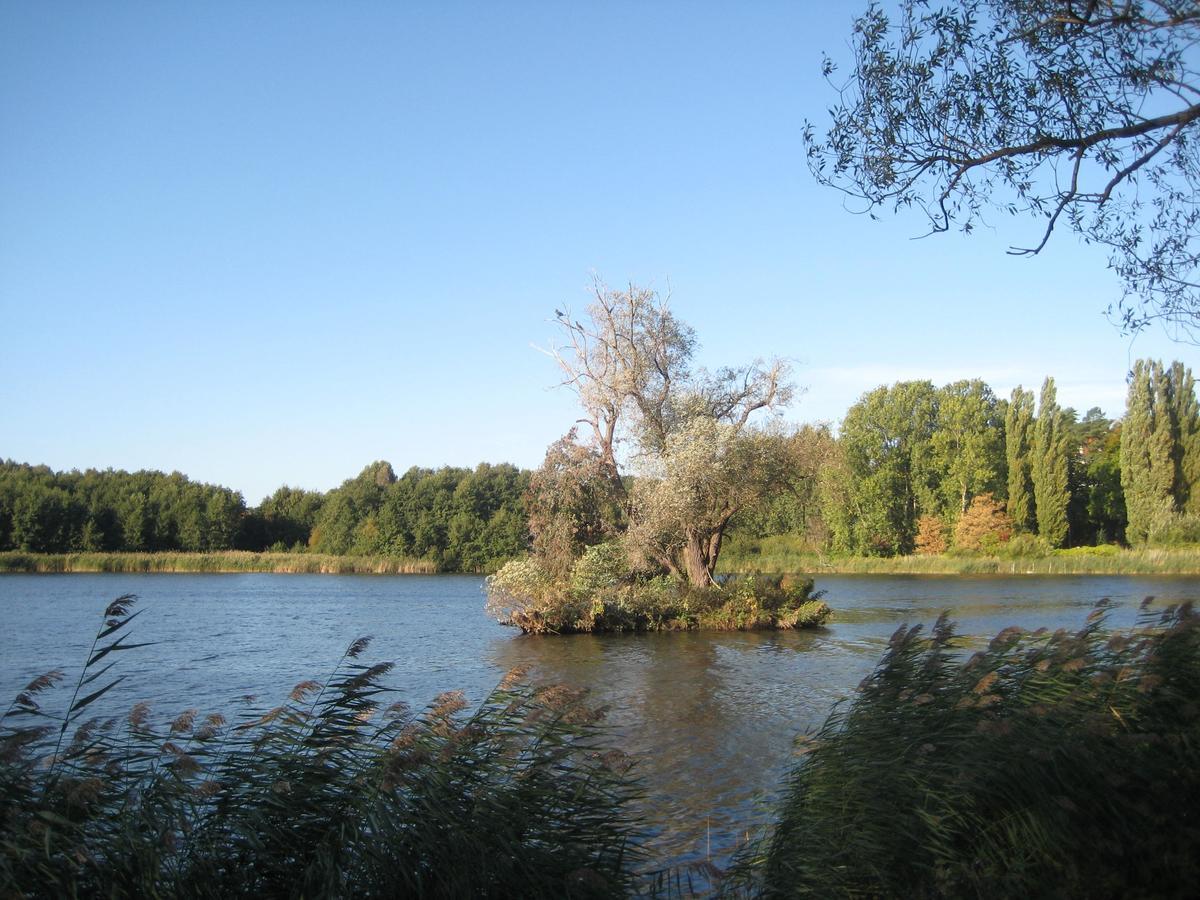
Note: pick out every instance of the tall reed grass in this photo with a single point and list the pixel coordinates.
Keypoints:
(1062, 765)
(222, 561)
(334, 793)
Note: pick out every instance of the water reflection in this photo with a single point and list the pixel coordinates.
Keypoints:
(710, 718)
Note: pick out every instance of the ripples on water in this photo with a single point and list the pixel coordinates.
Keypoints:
(710, 718)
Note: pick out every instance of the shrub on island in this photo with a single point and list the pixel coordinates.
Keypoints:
(600, 593)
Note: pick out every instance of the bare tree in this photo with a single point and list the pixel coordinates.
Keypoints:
(685, 430)
(1081, 112)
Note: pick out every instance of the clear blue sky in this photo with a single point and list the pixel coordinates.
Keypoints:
(269, 243)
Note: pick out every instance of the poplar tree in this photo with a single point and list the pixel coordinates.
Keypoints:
(1018, 431)
(1050, 467)
(1185, 433)
(1147, 469)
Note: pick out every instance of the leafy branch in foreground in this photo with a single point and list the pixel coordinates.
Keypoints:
(333, 793)
(1079, 113)
(1064, 762)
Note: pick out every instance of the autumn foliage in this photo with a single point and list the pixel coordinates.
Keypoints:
(931, 535)
(983, 526)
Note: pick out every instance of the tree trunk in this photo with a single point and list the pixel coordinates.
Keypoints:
(695, 560)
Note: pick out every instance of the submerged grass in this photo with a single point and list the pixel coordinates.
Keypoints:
(335, 793)
(224, 561)
(783, 553)
(1064, 765)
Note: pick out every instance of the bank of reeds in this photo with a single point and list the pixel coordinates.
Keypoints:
(784, 554)
(1062, 765)
(335, 793)
(225, 561)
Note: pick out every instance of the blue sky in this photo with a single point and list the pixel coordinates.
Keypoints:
(269, 243)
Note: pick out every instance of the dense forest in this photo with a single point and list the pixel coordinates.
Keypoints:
(460, 519)
(914, 468)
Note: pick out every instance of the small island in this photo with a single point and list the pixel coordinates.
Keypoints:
(627, 520)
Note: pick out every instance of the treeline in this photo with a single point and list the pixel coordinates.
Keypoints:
(914, 468)
(460, 519)
(917, 468)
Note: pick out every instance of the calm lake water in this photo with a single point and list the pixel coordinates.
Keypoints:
(710, 718)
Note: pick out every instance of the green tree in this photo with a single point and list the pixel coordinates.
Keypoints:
(967, 444)
(1083, 114)
(1097, 508)
(1050, 467)
(887, 439)
(1147, 466)
(1184, 415)
(573, 504)
(1018, 446)
(41, 520)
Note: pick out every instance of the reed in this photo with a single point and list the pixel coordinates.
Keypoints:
(336, 792)
(227, 561)
(783, 554)
(1064, 764)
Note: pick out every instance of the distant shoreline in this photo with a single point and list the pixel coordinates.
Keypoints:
(1080, 561)
(220, 562)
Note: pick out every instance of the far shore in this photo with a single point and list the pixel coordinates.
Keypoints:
(220, 562)
(1106, 560)
(1079, 561)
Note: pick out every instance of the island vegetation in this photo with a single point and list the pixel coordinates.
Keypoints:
(627, 520)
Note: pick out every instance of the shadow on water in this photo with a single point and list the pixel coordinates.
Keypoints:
(708, 718)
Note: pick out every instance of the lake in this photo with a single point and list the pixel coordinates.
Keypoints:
(709, 717)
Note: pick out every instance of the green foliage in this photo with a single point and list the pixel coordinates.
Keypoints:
(221, 561)
(599, 568)
(1018, 438)
(602, 595)
(798, 506)
(967, 446)
(1030, 546)
(1173, 529)
(887, 440)
(1050, 467)
(334, 793)
(57, 512)
(1022, 555)
(1097, 508)
(1066, 762)
(1159, 447)
(1080, 115)
(573, 503)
